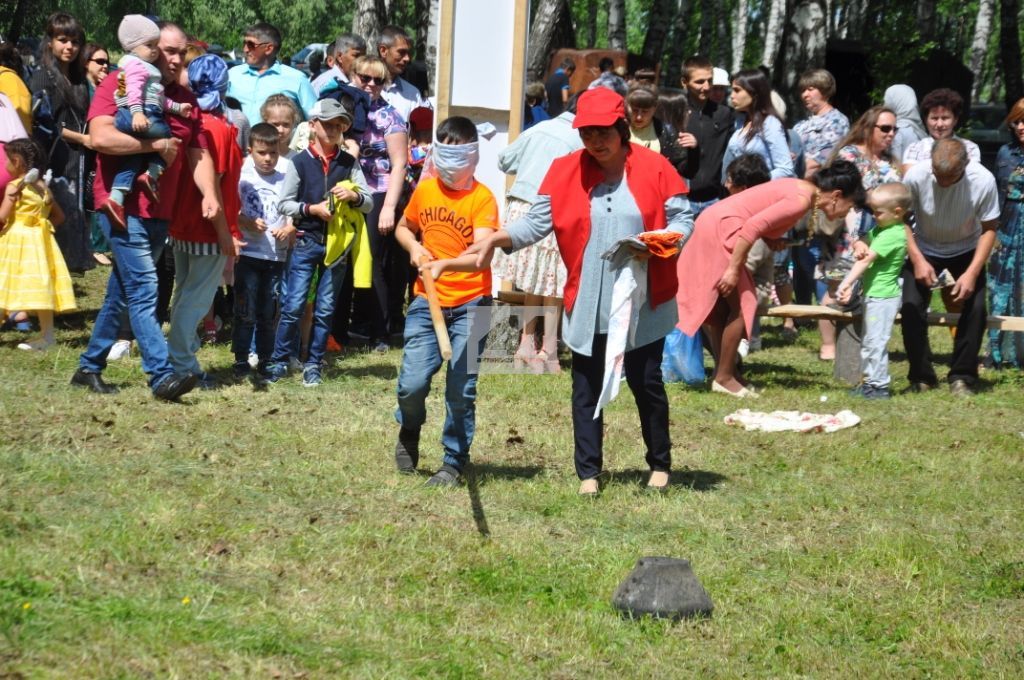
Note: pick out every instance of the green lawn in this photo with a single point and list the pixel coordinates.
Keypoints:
(265, 534)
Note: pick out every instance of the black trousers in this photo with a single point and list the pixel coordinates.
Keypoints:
(970, 330)
(642, 367)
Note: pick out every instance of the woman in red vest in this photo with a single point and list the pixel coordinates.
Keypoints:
(591, 199)
(715, 288)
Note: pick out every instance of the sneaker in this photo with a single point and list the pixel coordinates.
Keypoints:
(241, 370)
(447, 477)
(275, 372)
(918, 387)
(381, 347)
(294, 364)
(119, 350)
(254, 360)
(115, 213)
(39, 345)
(865, 391)
(407, 451)
(311, 376)
(149, 185)
(205, 381)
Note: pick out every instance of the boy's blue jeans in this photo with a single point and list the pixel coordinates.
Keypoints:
(307, 259)
(131, 166)
(421, 359)
(879, 317)
(257, 283)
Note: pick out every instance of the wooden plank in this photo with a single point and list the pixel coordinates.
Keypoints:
(512, 297)
(446, 37)
(949, 319)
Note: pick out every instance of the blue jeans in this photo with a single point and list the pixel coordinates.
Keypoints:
(697, 207)
(196, 278)
(131, 166)
(421, 359)
(256, 293)
(133, 286)
(307, 259)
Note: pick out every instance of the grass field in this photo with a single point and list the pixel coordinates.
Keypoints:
(265, 534)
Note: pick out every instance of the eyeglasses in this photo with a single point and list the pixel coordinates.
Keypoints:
(101, 62)
(252, 44)
(370, 79)
(886, 129)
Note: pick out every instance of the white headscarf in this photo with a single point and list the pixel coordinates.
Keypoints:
(903, 102)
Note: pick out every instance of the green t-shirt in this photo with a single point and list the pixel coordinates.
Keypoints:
(882, 278)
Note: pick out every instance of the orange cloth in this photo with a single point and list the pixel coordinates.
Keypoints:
(445, 220)
(767, 210)
(662, 244)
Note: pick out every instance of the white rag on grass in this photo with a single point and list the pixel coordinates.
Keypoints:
(791, 421)
(628, 294)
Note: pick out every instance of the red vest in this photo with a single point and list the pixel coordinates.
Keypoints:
(651, 181)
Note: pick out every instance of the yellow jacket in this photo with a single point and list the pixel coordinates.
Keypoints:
(347, 229)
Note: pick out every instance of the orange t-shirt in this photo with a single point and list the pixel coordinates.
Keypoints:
(445, 220)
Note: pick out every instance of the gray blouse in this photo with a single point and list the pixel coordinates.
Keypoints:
(613, 215)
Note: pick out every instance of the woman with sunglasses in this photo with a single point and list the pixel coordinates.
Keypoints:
(1006, 267)
(867, 147)
(97, 66)
(60, 99)
(383, 149)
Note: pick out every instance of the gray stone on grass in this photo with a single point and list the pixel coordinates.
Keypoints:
(663, 588)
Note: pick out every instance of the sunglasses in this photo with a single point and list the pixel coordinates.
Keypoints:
(252, 44)
(101, 62)
(886, 129)
(370, 79)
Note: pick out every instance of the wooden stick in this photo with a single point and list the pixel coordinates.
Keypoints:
(444, 343)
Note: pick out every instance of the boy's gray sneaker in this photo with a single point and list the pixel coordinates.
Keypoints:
(407, 451)
(446, 477)
(311, 376)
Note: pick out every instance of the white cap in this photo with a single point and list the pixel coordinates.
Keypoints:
(719, 76)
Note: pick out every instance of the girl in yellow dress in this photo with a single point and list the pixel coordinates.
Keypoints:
(33, 275)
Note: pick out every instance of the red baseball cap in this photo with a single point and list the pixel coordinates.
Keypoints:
(599, 107)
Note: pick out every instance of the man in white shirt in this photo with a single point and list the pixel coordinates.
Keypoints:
(347, 48)
(395, 49)
(956, 206)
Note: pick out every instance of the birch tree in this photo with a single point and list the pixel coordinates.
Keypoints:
(370, 18)
(926, 19)
(546, 19)
(617, 24)
(979, 45)
(803, 47)
(771, 37)
(739, 35)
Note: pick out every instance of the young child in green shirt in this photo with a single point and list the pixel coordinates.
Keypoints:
(880, 268)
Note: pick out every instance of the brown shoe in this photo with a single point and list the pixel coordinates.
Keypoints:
(149, 187)
(960, 388)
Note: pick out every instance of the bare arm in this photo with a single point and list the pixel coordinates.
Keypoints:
(406, 238)
(731, 276)
(923, 271)
(398, 148)
(858, 269)
(466, 262)
(107, 139)
(204, 174)
(967, 283)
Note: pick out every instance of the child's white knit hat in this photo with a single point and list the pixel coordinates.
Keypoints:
(136, 29)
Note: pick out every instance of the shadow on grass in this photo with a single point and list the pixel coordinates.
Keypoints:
(343, 370)
(695, 480)
(485, 472)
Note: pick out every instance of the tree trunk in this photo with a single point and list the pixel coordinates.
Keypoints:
(979, 46)
(17, 22)
(617, 24)
(722, 41)
(852, 19)
(677, 47)
(803, 47)
(370, 17)
(659, 21)
(1009, 50)
(739, 35)
(428, 33)
(707, 18)
(546, 20)
(591, 23)
(926, 19)
(771, 36)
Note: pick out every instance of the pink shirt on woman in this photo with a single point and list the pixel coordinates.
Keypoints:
(766, 211)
